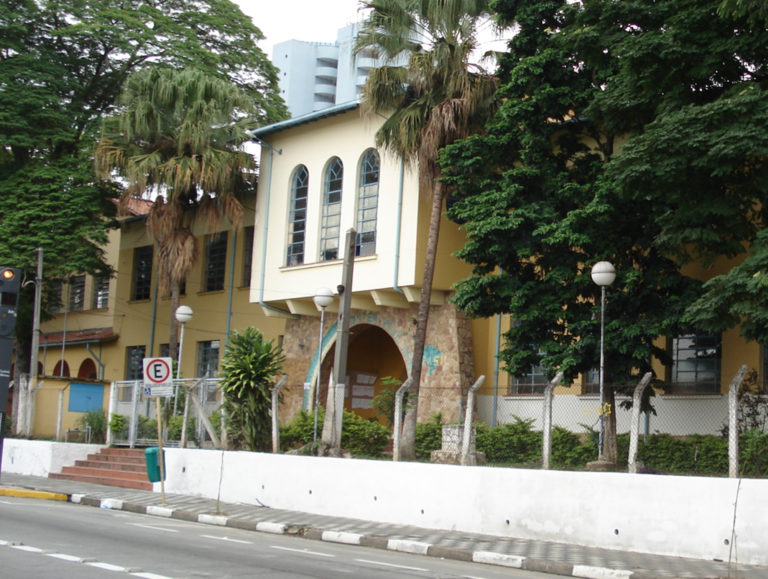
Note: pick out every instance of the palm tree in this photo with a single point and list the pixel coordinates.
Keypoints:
(176, 140)
(432, 95)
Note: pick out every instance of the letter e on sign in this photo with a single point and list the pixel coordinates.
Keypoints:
(158, 377)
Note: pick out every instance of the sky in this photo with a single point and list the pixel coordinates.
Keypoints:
(312, 20)
(318, 21)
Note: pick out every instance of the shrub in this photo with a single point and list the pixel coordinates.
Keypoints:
(174, 427)
(118, 424)
(300, 431)
(96, 421)
(362, 437)
(515, 442)
(753, 453)
(569, 451)
(429, 437)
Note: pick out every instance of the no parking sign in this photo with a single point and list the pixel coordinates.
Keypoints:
(158, 377)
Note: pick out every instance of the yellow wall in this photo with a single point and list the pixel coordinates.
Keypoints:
(47, 403)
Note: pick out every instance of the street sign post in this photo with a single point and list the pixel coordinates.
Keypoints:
(158, 377)
(158, 383)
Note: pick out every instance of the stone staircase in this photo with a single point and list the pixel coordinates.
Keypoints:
(120, 467)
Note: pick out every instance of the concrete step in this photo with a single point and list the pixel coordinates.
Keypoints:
(105, 480)
(105, 472)
(113, 462)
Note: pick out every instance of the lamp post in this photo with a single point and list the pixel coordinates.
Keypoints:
(323, 298)
(603, 274)
(183, 315)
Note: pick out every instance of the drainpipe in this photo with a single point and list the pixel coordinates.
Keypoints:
(262, 273)
(398, 227)
(100, 374)
(496, 372)
(154, 320)
(231, 284)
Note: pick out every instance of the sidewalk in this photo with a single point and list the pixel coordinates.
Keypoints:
(557, 558)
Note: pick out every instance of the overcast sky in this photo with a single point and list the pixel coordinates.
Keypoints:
(312, 20)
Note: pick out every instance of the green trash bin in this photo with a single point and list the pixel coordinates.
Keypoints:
(153, 464)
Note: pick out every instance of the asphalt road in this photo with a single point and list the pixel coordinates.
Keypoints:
(42, 539)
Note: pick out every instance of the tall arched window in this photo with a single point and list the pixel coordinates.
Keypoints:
(330, 225)
(297, 218)
(367, 204)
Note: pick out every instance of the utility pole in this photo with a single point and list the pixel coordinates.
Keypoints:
(32, 386)
(334, 409)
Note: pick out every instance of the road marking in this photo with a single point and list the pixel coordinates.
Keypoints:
(27, 548)
(154, 528)
(394, 566)
(227, 539)
(149, 576)
(65, 557)
(106, 566)
(304, 551)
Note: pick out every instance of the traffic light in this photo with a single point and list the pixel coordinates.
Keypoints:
(10, 284)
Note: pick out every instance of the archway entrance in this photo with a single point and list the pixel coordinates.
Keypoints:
(374, 360)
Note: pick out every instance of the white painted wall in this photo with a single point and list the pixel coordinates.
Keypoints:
(670, 515)
(40, 457)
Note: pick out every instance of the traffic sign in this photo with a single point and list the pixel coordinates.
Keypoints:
(158, 377)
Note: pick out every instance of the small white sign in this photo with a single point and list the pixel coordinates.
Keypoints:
(158, 377)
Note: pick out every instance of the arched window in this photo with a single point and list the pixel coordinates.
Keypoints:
(330, 225)
(297, 218)
(61, 370)
(367, 204)
(87, 369)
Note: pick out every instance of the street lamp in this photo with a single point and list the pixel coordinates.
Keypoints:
(323, 298)
(603, 274)
(183, 315)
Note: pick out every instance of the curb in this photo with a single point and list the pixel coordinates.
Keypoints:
(29, 494)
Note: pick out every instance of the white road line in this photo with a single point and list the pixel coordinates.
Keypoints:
(227, 539)
(383, 564)
(27, 548)
(107, 566)
(303, 551)
(149, 576)
(154, 528)
(65, 557)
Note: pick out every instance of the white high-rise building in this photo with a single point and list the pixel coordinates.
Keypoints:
(317, 75)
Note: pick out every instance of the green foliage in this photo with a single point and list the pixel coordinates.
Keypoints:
(429, 437)
(384, 401)
(249, 369)
(753, 453)
(147, 428)
(570, 451)
(96, 420)
(515, 442)
(175, 424)
(118, 424)
(359, 436)
(363, 437)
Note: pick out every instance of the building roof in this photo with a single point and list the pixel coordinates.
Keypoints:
(304, 119)
(78, 337)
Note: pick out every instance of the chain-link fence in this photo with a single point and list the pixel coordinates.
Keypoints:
(133, 414)
(682, 434)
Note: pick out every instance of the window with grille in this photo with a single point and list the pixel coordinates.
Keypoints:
(696, 364)
(330, 224)
(297, 218)
(215, 262)
(533, 382)
(77, 293)
(100, 293)
(208, 358)
(367, 204)
(247, 255)
(134, 369)
(142, 273)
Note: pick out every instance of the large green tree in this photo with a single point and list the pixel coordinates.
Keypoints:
(177, 140)
(619, 138)
(431, 94)
(62, 66)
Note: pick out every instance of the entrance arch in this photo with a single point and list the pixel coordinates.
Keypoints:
(373, 359)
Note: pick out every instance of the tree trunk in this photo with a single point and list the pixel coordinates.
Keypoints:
(172, 338)
(408, 440)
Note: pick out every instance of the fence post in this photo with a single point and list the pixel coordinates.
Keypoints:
(111, 411)
(634, 427)
(275, 417)
(398, 418)
(733, 422)
(133, 426)
(467, 431)
(546, 446)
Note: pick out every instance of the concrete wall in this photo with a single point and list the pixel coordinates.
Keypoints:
(40, 457)
(680, 516)
(671, 515)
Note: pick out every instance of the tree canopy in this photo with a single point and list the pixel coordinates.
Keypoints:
(62, 66)
(632, 132)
